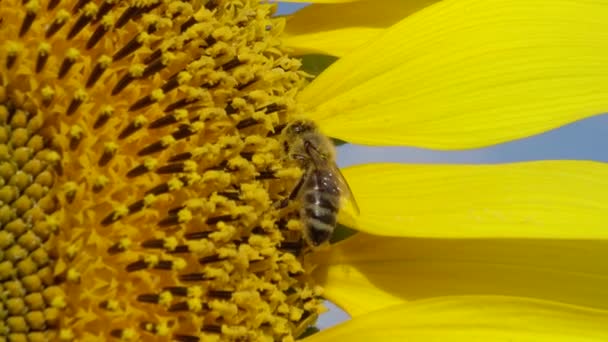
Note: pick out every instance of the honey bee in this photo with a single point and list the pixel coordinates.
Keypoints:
(322, 190)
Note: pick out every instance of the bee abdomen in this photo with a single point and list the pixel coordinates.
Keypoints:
(317, 232)
(320, 205)
(319, 212)
(325, 201)
(324, 216)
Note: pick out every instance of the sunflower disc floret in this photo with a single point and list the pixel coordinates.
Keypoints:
(139, 164)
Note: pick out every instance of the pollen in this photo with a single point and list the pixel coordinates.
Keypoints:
(139, 168)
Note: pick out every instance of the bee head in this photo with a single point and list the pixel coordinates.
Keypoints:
(300, 127)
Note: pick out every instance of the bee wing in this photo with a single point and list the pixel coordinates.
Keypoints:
(345, 191)
(346, 194)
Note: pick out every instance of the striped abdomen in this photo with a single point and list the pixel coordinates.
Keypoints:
(320, 196)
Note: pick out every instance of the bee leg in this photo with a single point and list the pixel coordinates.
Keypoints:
(293, 195)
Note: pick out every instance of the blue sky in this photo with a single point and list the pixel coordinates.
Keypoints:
(583, 140)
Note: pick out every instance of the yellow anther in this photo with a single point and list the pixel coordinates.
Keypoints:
(194, 305)
(52, 223)
(180, 114)
(137, 70)
(32, 6)
(44, 48)
(120, 211)
(157, 95)
(140, 121)
(218, 274)
(151, 260)
(167, 58)
(81, 95)
(101, 181)
(105, 61)
(107, 110)
(90, 9)
(108, 21)
(201, 247)
(47, 93)
(149, 199)
(165, 298)
(234, 331)
(226, 309)
(143, 38)
(73, 275)
(72, 54)
(62, 15)
(150, 163)
(222, 33)
(150, 19)
(176, 7)
(162, 329)
(13, 48)
(195, 291)
(76, 131)
(184, 215)
(128, 334)
(167, 140)
(175, 184)
(192, 178)
(125, 243)
(110, 147)
(183, 77)
(170, 243)
(190, 166)
(179, 264)
(295, 314)
(112, 305)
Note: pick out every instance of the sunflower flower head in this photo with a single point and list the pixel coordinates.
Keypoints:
(139, 164)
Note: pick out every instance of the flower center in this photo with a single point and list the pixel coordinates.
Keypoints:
(139, 164)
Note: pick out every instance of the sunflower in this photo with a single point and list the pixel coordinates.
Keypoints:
(141, 162)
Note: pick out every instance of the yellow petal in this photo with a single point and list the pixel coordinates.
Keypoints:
(469, 73)
(546, 199)
(366, 273)
(339, 28)
(474, 318)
